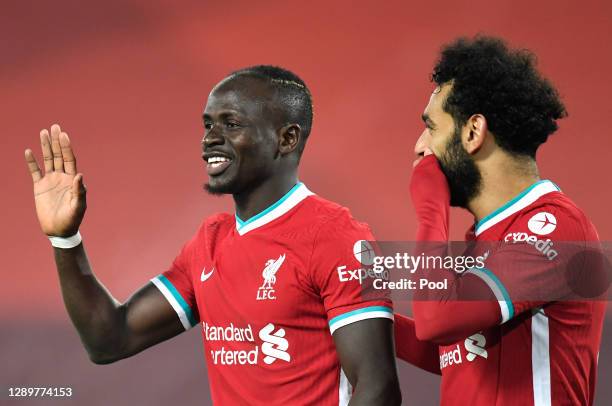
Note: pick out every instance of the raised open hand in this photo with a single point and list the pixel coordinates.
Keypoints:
(59, 194)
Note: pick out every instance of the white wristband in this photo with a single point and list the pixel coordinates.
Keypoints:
(68, 242)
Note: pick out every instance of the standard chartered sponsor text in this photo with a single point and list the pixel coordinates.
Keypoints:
(234, 345)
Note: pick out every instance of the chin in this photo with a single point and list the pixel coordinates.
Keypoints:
(218, 189)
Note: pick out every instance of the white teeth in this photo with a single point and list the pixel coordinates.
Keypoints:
(217, 159)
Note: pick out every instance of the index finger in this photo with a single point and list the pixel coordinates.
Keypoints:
(32, 165)
(67, 154)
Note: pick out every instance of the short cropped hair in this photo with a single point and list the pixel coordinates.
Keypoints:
(292, 92)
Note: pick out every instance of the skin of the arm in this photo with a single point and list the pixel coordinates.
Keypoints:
(108, 329)
(366, 353)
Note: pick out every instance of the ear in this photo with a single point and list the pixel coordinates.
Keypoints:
(289, 138)
(474, 133)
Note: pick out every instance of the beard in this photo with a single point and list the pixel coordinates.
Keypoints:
(227, 183)
(215, 190)
(236, 183)
(461, 172)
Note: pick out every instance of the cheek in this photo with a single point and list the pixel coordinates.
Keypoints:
(438, 146)
(439, 143)
(256, 152)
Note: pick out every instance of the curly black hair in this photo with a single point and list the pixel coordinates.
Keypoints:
(521, 107)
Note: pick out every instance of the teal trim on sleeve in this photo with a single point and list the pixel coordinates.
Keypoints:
(360, 311)
(503, 290)
(186, 308)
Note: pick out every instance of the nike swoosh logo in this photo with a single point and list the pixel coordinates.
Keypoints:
(205, 275)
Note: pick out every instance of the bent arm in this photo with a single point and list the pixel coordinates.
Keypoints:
(421, 354)
(446, 322)
(110, 330)
(443, 317)
(365, 349)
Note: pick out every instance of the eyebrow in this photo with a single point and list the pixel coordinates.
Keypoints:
(223, 114)
(426, 119)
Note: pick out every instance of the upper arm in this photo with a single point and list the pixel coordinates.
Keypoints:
(149, 319)
(360, 319)
(162, 309)
(365, 350)
(524, 271)
(532, 266)
(343, 283)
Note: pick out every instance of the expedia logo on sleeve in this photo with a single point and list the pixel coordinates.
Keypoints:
(541, 223)
(364, 254)
(543, 246)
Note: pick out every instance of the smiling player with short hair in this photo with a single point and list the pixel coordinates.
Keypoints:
(280, 322)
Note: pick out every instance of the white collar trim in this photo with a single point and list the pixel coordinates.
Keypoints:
(291, 199)
(524, 199)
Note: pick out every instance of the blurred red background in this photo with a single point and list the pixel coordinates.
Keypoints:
(128, 80)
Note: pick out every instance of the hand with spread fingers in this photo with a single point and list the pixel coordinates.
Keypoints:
(59, 194)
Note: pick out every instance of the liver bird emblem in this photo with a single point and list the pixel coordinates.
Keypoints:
(269, 272)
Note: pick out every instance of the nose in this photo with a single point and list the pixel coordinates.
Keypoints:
(422, 146)
(212, 137)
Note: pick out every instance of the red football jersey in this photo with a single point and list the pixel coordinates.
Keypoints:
(268, 293)
(544, 352)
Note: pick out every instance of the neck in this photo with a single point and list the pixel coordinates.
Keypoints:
(501, 185)
(253, 201)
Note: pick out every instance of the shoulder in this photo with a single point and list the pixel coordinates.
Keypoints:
(213, 227)
(556, 216)
(218, 221)
(332, 229)
(332, 219)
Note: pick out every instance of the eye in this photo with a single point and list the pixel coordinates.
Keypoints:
(208, 125)
(232, 124)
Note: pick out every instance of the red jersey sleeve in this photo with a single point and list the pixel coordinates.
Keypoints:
(176, 284)
(409, 348)
(343, 282)
(534, 263)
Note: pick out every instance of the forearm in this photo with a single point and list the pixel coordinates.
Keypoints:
(97, 316)
(376, 392)
(409, 348)
(445, 323)
(109, 330)
(466, 306)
